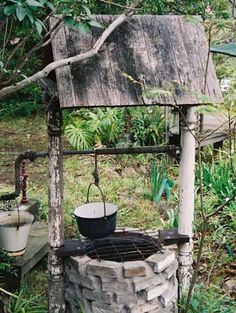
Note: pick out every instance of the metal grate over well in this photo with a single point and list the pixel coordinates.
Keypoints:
(123, 246)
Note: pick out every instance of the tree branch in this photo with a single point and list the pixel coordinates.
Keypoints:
(221, 207)
(77, 58)
(117, 4)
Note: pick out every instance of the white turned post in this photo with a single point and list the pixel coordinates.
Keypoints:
(186, 193)
(56, 214)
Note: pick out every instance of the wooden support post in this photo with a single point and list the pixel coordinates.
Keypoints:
(186, 205)
(56, 215)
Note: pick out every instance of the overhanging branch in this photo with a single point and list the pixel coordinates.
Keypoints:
(68, 61)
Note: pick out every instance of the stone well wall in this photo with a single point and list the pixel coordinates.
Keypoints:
(148, 286)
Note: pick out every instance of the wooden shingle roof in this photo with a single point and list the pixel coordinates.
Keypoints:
(148, 60)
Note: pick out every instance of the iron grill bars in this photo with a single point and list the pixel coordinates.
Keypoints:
(122, 247)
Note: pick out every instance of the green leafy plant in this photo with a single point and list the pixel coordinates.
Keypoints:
(107, 125)
(29, 103)
(159, 183)
(157, 174)
(205, 8)
(7, 268)
(18, 304)
(27, 9)
(219, 183)
(87, 128)
(218, 179)
(147, 126)
(79, 134)
(210, 300)
(172, 219)
(5, 262)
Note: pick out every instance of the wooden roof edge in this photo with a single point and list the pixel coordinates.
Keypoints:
(92, 85)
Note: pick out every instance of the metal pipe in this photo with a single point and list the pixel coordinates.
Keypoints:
(32, 155)
(28, 155)
(129, 150)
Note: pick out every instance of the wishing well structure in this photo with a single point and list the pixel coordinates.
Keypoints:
(167, 55)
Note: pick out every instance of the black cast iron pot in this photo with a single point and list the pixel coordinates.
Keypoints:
(96, 219)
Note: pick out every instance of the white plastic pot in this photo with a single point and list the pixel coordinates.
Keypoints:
(14, 230)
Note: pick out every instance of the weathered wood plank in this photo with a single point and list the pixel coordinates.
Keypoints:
(181, 58)
(125, 71)
(63, 75)
(209, 74)
(172, 79)
(194, 61)
(56, 295)
(155, 77)
(109, 89)
(145, 52)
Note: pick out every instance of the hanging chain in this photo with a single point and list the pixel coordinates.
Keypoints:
(95, 172)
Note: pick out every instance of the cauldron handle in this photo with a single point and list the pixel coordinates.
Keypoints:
(103, 198)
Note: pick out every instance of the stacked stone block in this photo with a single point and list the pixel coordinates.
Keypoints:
(148, 286)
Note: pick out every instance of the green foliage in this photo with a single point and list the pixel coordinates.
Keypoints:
(5, 263)
(210, 300)
(31, 11)
(107, 125)
(6, 268)
(23, 10)
(159, 183)
(85, 128)
(147, 126)
(77, 14)
(18, 304)
(79, 134)
(219, 179)
(219, 184)
(204, 8)
(230, 96)
(172, 219)
(29, 102)
(157, 174)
